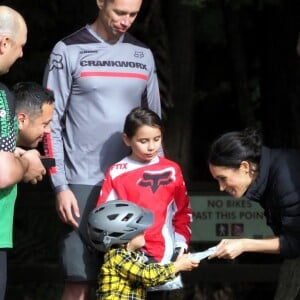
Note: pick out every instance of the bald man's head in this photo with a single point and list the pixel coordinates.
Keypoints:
(10, 21)
(13, 36)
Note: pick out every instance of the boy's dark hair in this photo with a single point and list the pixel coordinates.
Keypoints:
(141, 116)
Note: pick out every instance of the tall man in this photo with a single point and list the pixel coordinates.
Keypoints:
(98, 74)
(14, 168)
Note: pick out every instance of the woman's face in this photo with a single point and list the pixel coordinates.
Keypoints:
(232, 181)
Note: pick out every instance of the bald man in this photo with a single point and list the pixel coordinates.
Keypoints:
(14, 168)
(13, 37)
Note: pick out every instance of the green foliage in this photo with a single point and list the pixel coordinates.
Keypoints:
(236, 4)
(195, 3)
(210, 28)
(258, 4)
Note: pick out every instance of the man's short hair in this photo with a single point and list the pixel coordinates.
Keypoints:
(31, 96)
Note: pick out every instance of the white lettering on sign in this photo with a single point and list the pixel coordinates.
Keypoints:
(216, 217)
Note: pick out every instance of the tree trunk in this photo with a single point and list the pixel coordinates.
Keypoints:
(240, 81)
(279, 80)
(179, 121)
(154, 33)
(280, 102)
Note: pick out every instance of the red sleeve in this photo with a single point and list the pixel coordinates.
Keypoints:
(183, 214)
(106, 189)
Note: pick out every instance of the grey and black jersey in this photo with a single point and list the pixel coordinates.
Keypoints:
(95, 85)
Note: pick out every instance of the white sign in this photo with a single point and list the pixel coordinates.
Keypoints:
(217, 217)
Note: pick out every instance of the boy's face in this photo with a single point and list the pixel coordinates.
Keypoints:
(137, 242)
(145, 144)
(32, 129)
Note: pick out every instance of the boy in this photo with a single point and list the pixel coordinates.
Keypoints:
(118, 227)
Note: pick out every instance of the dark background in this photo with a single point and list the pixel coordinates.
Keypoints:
(222, 65)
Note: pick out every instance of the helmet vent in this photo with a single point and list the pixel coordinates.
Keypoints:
(116, 234)
(121, 204)
(96, 242)
(127, 217)
(98, 209)
(112, 217)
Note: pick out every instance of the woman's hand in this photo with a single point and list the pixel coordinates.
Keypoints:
(229, 249)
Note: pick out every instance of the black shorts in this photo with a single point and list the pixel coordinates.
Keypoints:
(3, 272)
(80, 262)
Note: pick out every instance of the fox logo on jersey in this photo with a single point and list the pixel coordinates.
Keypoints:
(139, 54)
(55, 62)
(154, 180)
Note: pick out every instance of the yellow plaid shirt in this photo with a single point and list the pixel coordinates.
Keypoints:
(125, 275)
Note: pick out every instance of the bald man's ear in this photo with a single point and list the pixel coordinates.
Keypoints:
(5, 42)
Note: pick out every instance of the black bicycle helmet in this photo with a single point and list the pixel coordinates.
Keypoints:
(117, 222)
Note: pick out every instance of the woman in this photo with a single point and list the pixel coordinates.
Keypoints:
(244, 167)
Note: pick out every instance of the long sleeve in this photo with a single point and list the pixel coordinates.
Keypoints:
(107, 191)
(57, 77)
(126, 273)
(147, 274)
(277, 190)
(183, 213)
(153, 95)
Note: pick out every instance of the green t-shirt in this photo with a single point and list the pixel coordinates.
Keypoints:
(8, 127)
(7, 203)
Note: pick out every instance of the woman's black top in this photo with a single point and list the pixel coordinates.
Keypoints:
(277, 189)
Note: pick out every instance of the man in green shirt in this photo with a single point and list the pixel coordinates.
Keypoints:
(14, 168)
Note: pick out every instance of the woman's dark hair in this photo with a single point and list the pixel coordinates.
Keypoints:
(230, 149)
(141, 116)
